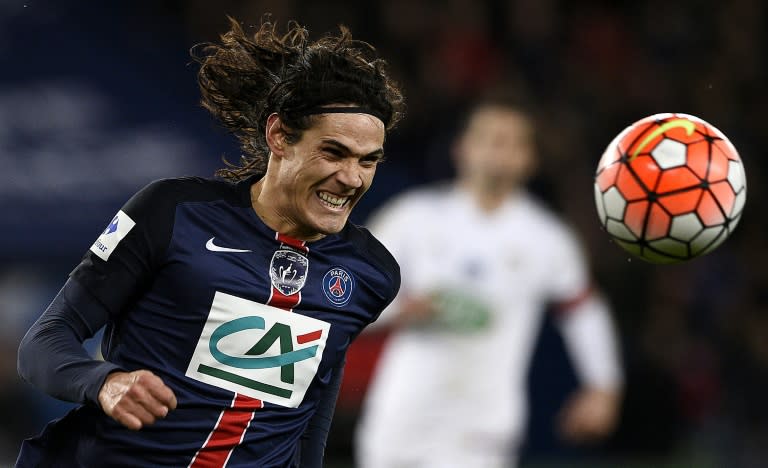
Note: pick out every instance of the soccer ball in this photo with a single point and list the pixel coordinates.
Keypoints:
(670, 187)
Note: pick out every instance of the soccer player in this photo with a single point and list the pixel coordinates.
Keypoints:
(229, 304)
(481, 260)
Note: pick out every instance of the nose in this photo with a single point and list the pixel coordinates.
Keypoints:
(350, 173)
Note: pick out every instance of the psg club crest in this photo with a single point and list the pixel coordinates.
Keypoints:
(338, 285)
(288, 271)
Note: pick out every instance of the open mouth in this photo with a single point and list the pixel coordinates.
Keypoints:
(333, 201)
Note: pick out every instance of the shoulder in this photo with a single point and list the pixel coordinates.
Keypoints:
(418, 202)
(160, 198)
(379, 272)
(541, 215)
(549, 228)
(180, 189)
(366, 245)
(420, 197)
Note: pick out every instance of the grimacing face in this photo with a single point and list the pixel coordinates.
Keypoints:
(324, 174)
(496, 150)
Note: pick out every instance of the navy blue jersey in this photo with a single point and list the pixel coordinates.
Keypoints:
(248, 327)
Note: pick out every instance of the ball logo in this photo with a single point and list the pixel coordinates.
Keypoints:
(683, 123)
(337, 286)
(288, 271)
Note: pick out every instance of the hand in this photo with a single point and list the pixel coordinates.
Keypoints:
(136, 399)
(589, 415)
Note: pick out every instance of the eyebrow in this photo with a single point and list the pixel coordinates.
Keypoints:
(330, 141)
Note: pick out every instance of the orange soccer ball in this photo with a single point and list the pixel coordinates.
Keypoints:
(670, 187)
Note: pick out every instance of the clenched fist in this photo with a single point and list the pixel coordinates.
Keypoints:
(136, 399)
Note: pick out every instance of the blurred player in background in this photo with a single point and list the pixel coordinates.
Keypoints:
(229, 304)
(481, 261)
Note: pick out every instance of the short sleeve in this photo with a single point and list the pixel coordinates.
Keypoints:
(570, 278)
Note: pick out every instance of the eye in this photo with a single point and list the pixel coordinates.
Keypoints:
(334, 152)
(371, 161)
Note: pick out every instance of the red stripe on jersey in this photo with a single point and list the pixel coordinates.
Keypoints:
(282, 301)
(566, 306)
(296, 243)
(234, 421)
(228, 433)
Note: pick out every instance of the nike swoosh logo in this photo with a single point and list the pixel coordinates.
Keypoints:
(216, 248)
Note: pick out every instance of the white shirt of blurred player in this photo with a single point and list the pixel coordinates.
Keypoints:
(444, 399)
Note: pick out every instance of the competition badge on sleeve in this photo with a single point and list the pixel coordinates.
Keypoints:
(118, 228)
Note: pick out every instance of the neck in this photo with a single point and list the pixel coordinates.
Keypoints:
(266, 203)
(488, 198)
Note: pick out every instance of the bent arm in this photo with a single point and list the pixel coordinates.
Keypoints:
(592, 412)
(103, 285)
(591, 340)
(51, 356)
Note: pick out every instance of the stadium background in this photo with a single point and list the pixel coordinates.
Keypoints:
(98, 98)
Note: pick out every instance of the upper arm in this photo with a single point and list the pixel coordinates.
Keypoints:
(121, 262)
(570, 280)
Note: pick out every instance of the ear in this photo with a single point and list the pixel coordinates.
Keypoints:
(275, 135)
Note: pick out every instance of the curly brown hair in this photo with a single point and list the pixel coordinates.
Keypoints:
(245, 79)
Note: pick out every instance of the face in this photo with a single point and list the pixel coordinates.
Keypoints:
(323, 175)
(496, 151)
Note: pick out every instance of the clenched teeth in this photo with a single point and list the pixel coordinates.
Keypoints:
(336, 202)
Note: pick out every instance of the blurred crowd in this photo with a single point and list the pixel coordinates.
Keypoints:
(95, 101)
